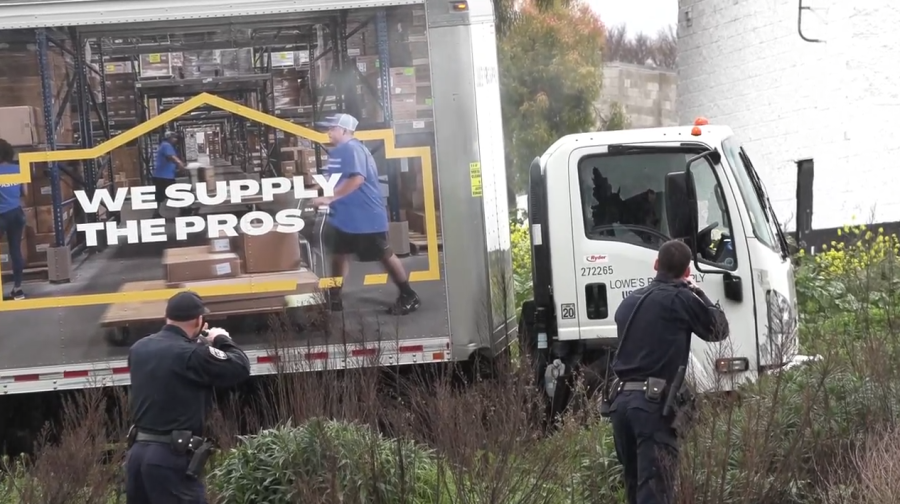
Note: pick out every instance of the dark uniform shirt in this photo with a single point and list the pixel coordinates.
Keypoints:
(659, 337)
(172, 379)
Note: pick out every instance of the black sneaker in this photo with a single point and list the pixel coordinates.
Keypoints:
(405, 304)
(17, 294)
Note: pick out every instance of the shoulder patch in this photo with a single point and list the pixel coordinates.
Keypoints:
(218, 354)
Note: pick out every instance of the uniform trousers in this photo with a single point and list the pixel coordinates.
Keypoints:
(646, 446)
(158, 475)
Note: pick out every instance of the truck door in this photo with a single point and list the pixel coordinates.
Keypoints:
(619, 220)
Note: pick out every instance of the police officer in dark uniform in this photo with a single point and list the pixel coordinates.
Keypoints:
(173, 373)
(654, 331)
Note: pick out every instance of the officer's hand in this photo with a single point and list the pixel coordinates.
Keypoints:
(217, 332)
(692, 285)
(212, 332)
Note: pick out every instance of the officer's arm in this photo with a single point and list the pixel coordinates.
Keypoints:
(706, 319)
(220, 365)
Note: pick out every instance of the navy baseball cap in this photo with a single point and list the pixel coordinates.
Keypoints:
(346, 121)
(185, 306)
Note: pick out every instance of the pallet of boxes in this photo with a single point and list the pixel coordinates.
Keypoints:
(22, 125)
(240, 264)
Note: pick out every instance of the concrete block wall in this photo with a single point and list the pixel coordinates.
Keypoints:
(646, 93)
(743, 63)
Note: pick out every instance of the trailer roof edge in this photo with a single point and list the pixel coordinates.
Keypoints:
(29, 14)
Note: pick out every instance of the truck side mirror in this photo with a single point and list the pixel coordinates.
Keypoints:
(681, 212)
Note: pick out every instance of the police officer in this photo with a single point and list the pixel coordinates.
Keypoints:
(654, 331)
(173, 373)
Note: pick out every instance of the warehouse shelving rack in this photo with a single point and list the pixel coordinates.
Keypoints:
(78, 92)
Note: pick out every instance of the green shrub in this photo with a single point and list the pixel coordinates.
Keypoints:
(323, 457)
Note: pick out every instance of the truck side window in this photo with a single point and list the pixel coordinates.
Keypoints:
(623, 199)
(716, 244)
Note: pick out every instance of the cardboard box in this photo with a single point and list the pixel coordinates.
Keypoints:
(271, 252)
(223, 244)
(190, 264)
(404, 107)
(368, 65)
(30, 218)
(403, 80)
(127, 161)
(43, 217)
(42, 193)
(156, 65)
(19, 126)
(308, 160)
(118, 67)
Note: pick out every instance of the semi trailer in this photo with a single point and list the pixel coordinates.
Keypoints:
(90, 87)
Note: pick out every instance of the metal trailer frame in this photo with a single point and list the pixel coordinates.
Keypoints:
(467, 128)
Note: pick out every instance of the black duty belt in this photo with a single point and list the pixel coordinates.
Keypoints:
(629, 386)
(146, 437)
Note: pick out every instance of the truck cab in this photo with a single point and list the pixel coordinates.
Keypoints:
(601, 204)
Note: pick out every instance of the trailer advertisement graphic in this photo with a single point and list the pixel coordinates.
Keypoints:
(137, 232)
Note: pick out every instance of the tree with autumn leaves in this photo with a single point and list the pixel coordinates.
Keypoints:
(550, 55)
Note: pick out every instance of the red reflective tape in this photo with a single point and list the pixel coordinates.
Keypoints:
(364, 352)
(120, 370)
(27, 377)
(75, 374)
(412, 348)
(267, 359)
(317, 356)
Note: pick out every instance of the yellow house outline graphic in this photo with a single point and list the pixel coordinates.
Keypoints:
(391, 151)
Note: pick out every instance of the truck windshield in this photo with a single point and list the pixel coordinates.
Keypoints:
(623, 198)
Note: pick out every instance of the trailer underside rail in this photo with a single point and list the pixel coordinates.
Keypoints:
(262, 362)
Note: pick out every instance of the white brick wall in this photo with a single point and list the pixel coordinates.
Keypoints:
(742, 63)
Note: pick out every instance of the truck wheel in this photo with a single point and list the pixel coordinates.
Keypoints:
(118, 336)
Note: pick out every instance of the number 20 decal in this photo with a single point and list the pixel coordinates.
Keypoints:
(589, 271)
(567, 311)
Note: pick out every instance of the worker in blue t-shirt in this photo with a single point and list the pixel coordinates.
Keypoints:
(165, 168)
(358, 222)
(12, 218)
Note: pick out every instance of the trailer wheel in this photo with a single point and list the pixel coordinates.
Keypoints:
(118, 336)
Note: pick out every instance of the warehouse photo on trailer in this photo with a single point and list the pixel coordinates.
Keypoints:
(283, 167)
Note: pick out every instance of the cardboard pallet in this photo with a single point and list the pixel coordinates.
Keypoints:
(421, 241)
